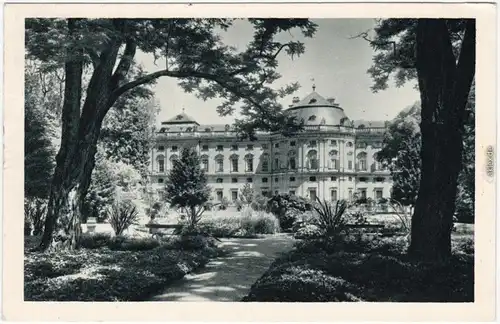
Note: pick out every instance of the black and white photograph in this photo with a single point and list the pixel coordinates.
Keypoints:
(305, 160)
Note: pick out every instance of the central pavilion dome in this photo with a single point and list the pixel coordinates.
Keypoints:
(316, 110)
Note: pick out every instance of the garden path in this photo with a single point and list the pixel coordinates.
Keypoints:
(230, 277)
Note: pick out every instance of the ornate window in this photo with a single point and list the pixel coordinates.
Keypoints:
(361, 162)
(160, 180)
(265, 162)
(333, 194)
(312, 118)
(174, 148)
(174, 158)
(204, 148)
(312, 160)
(376, 166)
(313, 143)
(348, 144)
(349, 161)
(292, 160)
(234, 163)
(219, 163)
(220, 147)
(249, 163)
(161, 148)
(334, 160)
(333, 143)
(277, 162)
(204, 163)
(264, 180)
(161, 163)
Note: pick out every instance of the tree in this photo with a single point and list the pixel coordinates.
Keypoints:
(186, 186)
(102, 190)
(194, 54)
(247, 194)
(401, 152)
(38, 150)
(441, 54)
(128, 128)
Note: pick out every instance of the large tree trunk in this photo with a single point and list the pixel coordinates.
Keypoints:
(76, 157)
(444, 88)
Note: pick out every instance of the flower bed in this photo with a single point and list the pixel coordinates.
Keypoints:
(366, 268)
(101, 273)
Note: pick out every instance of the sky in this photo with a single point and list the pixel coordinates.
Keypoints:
(332, 61)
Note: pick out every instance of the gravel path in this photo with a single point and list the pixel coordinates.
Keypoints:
(229, 278)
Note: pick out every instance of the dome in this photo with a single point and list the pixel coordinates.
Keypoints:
(316, 110)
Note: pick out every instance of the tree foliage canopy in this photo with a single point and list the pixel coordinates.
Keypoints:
(191, 50)
(395, 46)
(39, 151)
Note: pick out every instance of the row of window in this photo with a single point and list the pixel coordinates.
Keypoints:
(312, 194)
(311, 163)
(235, 147)
(291, 179)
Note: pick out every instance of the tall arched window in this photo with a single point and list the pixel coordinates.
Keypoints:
(161, 163)
(204, 163)
(276, 162)
(312, 160)
(376, 165)
(334, 160)
(219, 163)
(349, 161)
(234, 163)
(249, 163)
(265, 162)
(361, 161)
(292, 160)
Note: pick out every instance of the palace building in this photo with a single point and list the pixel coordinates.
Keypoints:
(332, 158)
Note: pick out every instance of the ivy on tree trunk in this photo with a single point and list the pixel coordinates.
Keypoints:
(444, 88)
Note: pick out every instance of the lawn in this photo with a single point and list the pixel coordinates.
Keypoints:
(104, 269)
(367, 267)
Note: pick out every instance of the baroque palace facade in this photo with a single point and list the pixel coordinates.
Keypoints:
(333, 158)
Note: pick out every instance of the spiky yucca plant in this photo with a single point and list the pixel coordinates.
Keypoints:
(330, 217)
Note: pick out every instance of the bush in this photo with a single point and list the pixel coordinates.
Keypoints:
(34, 215)
(258, 223)
(286, 208)
(121, 215)
(248, 224)
(259, 203)
(120, 243)
(330, 218)
(94, 241)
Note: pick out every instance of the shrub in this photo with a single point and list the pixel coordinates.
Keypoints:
(34, 215)
(121, 215)
(247, 224)
(258, 223)
(330, 218)
(94, 241)
(307, 231)
(120, 243)
(224, 203)
(286, 208)
(259, 203)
